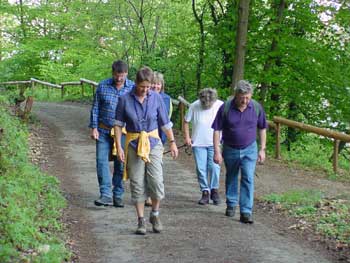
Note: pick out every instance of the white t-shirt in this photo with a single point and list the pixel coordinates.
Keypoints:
(202, 119)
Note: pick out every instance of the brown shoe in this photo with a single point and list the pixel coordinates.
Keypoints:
(214, 195)
(205, 198)
(157, 225)
(141, 227)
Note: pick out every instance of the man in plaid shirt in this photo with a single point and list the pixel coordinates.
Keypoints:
(102, 120)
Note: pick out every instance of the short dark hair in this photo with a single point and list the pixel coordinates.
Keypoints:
(119, 66)
(144, 74)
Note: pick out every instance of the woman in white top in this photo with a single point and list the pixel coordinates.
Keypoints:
(202, 113)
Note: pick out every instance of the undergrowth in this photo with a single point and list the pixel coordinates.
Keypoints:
(30, 201)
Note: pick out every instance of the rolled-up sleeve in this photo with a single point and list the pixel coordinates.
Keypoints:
(163, 119)
(262, 122)
(120, 113)
(94, 111)
(219, 119)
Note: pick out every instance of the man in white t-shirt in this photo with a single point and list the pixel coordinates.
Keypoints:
(202, 113)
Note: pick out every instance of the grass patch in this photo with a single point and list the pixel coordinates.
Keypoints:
(30, 201)
(329, 218)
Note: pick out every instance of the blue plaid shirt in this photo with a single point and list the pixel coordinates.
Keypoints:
(105, 103)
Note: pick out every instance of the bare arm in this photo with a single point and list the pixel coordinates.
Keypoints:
(117, 139)
(173, 148)
(262, 154)
(217, 150)
(187, 136)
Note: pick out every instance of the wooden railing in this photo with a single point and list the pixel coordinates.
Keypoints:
(182, 103)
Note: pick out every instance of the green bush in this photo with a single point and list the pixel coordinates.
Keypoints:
(30, 201)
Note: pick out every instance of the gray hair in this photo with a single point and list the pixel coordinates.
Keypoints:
(207, 97)
(244, 87)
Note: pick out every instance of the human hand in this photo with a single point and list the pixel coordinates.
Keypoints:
(261, 156)
(217, 157)
(174, 151)
(94, 134)
(188, 141)
(120, 154)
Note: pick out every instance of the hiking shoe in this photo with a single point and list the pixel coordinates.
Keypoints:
(118, 202)
(104, 200)
(214, 195)
(246, 218)
(141, 227)
(156, 224)
(230, 211)
(205, 198)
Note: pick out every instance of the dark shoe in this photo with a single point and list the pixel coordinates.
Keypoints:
(214, 195)
(104, 200)
(118, 202)
(141, 227)
(157, 225)
(230, 211)
(205, 198)
(246, 218)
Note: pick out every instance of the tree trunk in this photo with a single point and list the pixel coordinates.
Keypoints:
(200, 63)
(241, 40)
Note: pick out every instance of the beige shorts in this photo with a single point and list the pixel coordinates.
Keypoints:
(146, 179)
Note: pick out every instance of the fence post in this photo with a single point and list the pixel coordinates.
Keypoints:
(33, 86)
(182, 112)
(93, 91)
(335, 155)
(82, 90)
(62, 91)
(278, 141)
(48, 92)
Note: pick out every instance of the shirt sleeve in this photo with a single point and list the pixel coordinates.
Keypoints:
(262, 122)
(163, 118)
(95, 110)
(189, 114)
(219, 120)
(120, 112)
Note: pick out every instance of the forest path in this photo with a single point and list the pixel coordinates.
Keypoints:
(192, 233)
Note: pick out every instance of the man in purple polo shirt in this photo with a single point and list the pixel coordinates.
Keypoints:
(239, 123)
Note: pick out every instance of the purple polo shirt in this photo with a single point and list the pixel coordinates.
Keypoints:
(138, 117)
(239, 128)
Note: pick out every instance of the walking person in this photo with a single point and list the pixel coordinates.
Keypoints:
(102, 119)
(158, 86)
(142, 111)
(201, 114)
(239, 119)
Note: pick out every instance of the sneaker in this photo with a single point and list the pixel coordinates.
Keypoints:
(230, 211)
(214, 195)
(246, 218)
(104, 200)
(205, 198)
(118, 202)
(157, 225)
(141, 227)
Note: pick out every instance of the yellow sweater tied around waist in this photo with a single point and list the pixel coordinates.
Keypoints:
(143, 147)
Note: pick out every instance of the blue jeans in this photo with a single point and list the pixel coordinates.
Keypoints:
(205, 166)
(244, 161)
(103, 147)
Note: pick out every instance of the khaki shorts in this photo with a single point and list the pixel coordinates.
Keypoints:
(146, 179)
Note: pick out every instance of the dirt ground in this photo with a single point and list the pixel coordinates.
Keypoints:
(193, 233)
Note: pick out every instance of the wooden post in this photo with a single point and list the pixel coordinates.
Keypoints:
(62, 91)
(48, 92)
(82, 91)
(278, 141)
(182, 113)
(93, 91)
(335, 155)
(33, 86)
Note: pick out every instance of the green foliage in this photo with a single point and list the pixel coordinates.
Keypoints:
(30, 202)
(328, 217)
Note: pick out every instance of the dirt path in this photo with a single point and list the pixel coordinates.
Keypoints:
(192, 233)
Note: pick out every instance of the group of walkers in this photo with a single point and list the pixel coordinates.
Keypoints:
(133, 121)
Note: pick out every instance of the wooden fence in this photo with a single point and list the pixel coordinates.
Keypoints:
(182, 103)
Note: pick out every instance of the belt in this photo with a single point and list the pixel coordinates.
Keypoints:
(101, 125)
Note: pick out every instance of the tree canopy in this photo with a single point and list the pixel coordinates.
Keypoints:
(297, 52)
